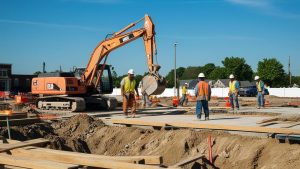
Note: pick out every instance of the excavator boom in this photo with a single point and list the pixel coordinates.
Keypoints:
(119, 39)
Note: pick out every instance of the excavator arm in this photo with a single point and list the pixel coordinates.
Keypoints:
(91, 77)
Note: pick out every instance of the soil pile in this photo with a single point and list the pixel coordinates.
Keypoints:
(82, 133)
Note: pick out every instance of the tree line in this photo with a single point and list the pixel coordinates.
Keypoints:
(269, 69)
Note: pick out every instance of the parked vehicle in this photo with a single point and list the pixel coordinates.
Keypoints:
(251, 91)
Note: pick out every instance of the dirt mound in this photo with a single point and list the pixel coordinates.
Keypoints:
(82, 133)
(75, 131)
(38, 130)
(77, 126)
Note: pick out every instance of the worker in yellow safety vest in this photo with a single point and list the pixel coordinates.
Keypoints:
(128, 89)
(203, 94)
(183, 98)
(260, 86)
(234, 88)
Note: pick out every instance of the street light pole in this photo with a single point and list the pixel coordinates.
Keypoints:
(175, 77)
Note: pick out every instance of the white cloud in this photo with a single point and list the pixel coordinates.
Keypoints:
(268, 7)
(212, 37)
(98, 1)
(55, 25)
(252, 3)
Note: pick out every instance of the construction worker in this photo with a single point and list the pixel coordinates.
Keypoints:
(234, 88)
(260, 92)
(183, 98)
(145, 96)
(202, 93)
(128, 89)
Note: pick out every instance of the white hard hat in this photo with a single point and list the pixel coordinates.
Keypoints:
(131, 71)
(231, 76)
(201, 75)
(186, 83)
(256, 77)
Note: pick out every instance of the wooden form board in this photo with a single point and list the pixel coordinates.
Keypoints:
(291, 125)
(267, 120)
(20, 122)
(208, 126)
(81, 158)
(34, 164)
(7, 147)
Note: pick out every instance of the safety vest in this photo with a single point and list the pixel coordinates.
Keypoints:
(203, 90)
(129, 86)
(232, 87)
(258, 86)
(183, 90)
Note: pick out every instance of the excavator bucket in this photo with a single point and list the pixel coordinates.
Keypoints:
(153, 85)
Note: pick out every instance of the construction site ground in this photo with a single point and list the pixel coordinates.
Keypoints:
(241, 139)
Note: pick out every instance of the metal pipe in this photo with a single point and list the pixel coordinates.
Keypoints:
(175, 76)
(8, 128)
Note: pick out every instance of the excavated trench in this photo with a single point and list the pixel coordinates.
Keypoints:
(85, 134)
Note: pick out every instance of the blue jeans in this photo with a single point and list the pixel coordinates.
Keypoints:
(199, 105)
(146, 101)
(260, 99)
(234, 98)
(182, 99)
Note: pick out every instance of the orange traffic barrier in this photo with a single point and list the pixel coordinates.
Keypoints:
(24, 98)
(175, 101)
(227, 101)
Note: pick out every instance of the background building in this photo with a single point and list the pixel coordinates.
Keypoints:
(5, 77)
(14, 82)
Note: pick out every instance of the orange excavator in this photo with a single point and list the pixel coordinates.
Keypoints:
(74, 91)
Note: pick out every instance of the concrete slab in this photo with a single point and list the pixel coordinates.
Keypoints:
(169, 114)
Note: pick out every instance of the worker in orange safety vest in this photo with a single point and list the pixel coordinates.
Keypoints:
(203, 94)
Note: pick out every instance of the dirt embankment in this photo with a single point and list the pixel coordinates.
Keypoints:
(84, 134)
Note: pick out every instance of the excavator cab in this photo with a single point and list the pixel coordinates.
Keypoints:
(106, 82)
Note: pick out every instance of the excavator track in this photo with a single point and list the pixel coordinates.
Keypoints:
(75, 104)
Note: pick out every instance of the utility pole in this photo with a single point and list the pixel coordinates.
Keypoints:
(175, 76)
(290, 74)
(44, 67)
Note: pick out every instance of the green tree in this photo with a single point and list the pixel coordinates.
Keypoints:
(271, 72)
(191, 72)
(37, 73)
(116, 80)
(218, 73)
(170, 76)
(238, 67)
(207, 69)
(296, 80)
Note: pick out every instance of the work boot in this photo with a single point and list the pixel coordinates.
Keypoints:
(206, 118)
(199, 117)
(237, 108)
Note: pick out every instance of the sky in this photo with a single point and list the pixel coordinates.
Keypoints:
(65, 32)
